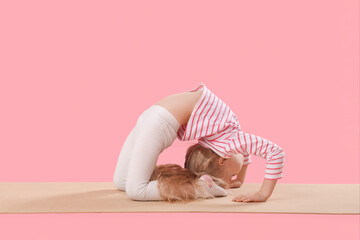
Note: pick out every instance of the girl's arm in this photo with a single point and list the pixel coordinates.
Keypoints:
(240, 178)
(247, 144)
(250, 144)
(268, 187)
(242, 174)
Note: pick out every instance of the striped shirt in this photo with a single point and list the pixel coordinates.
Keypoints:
(215, 126)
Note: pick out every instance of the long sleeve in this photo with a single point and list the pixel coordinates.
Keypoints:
(247, 159)
(247, 144)
(216, 126)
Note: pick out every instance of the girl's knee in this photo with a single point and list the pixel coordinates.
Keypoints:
(121, 185)
(135, 193)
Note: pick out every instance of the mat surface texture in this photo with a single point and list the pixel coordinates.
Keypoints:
(80, 197)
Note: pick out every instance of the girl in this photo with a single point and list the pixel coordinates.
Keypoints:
(221, 152)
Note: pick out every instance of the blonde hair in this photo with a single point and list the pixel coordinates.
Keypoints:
(202, 160)
(177, 184)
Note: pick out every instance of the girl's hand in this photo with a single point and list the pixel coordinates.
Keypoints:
(250, 197)
(235, 183)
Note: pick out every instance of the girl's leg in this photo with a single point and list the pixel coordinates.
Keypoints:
(122, 165)
(120, 174)
(140, 152)
(150, 141)
(156, 131)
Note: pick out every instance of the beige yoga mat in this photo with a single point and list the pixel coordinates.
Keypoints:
(79, 197)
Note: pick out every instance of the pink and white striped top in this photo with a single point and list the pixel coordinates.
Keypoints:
(215, 126)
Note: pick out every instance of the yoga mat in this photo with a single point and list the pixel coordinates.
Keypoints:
(80, 197)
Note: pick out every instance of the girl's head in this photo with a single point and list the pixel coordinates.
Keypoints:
(202, 160)
(177, 184)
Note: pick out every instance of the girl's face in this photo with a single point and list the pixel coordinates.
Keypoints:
(231, 166)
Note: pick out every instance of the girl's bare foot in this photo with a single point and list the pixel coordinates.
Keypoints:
(212, 188)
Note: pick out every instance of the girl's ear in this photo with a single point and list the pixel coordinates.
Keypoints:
(221, 160)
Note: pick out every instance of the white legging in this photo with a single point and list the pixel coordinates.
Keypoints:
(155, 130)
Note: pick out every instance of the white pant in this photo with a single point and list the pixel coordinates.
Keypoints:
(155, 130)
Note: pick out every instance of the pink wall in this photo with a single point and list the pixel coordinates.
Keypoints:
(75, 75)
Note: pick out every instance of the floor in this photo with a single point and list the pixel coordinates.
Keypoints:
(179, 226)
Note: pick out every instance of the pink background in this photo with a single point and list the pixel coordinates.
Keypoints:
(75, 75)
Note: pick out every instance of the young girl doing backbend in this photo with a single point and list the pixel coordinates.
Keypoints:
(218, 161)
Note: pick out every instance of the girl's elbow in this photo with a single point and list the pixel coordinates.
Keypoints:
(282, 152)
